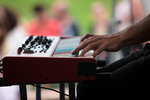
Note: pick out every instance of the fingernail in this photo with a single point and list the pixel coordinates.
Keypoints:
(72, 51)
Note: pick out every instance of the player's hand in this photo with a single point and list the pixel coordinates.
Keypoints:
(98, 43)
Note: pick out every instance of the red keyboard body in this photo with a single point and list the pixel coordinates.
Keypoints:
(41, 68)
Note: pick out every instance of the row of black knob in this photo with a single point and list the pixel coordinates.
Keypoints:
(35, 42)
(39, 40)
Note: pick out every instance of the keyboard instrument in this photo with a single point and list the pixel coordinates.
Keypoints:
(39, 59)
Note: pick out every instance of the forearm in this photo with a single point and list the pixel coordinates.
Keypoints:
(137, 33)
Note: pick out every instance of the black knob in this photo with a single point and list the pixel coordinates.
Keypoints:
(30, 38)
(37, 38)
(47, 46)
(44, 42)
(32, 43)
(27, 42)
(41, 37)
(49, 41)
(39, 42)
(45, 38)
(23, 45)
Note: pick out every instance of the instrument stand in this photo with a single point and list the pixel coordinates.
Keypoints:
(23, 91)
(62, 90)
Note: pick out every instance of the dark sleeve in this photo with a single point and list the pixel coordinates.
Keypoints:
(120, 63)
(135, 70)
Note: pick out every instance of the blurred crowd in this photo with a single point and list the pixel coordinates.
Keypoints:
(58, 21)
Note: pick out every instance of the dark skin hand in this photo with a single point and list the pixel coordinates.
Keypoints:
(95, 42)
(137, 33)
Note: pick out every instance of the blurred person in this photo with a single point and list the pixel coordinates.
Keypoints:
(10, 34)
(41, 24)
(60, 11)
(99, 23)
(100, 19)
(128, 12)
(138, 13)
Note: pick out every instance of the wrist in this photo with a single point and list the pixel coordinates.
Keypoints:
(125, 37)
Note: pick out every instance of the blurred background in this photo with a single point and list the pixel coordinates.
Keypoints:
(79, 10)
(63, 18)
